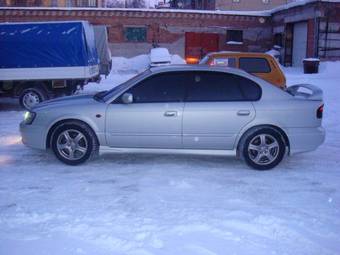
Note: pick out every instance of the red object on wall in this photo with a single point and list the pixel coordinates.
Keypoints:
(197, 45)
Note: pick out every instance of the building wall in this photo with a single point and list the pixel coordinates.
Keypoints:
(165, 28)
(323, 26)
(248, 5)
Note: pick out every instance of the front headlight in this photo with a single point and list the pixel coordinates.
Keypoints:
(29, 117)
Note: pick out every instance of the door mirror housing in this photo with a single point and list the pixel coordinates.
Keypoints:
(127, 98)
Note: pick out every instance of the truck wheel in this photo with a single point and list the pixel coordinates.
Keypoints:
(32, 96)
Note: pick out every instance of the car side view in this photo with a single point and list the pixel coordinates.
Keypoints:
(182, 109)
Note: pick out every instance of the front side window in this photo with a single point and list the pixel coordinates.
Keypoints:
(213, 87)
(167, 87)
(135, 34)
(255, 65)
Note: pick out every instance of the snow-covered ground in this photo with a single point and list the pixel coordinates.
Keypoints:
(165, 204)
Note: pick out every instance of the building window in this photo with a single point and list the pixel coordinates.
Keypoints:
(86, 3)
(54, 3)
(234, 36)
(135, 34)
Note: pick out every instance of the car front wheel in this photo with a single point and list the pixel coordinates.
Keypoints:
(264, 149)
(73, 144)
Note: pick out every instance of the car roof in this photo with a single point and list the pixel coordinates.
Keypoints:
(241, 54)
(184, 67)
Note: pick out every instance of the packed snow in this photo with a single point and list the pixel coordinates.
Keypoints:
(166, 204)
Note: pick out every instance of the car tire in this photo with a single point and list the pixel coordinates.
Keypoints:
(32, 96)
(263, 149)
(74, 143)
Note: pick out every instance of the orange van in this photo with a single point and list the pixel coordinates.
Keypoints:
(259, 64)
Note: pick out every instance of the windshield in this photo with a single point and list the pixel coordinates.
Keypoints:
(106, 95)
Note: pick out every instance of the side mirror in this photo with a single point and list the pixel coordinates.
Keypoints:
(127, 98)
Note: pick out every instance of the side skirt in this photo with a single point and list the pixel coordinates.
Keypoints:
(106, 149)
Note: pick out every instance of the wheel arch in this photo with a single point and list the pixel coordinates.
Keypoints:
(260, 126)
(19, 87)
(62, 121)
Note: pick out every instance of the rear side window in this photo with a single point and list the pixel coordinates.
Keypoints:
(255, 65)
(213, 87)
(167, 87)
(250, 90)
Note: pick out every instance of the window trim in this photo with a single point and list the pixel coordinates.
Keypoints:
(117, 100)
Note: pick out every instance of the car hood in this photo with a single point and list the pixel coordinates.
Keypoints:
(65, 101)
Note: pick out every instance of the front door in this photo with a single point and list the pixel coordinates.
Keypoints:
(215, 111)
(154, 119)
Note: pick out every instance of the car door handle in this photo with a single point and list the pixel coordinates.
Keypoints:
(170, 114)
(243, 113)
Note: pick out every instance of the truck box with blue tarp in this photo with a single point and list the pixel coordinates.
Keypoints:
(52, 57)
(47, 50)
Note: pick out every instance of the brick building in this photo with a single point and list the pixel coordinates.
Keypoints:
(52, 3)
(302, 29)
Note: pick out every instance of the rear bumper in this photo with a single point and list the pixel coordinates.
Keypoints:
(305, 139)
(33, 136)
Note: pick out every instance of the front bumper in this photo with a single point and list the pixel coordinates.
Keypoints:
(305, 139)
(33, 135)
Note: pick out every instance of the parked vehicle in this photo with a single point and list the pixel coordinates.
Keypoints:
(159, 57)
(102, 46)
(260, 64)
(43, 60)
(182, 109)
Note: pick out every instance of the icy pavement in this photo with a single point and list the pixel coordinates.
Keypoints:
(152, 204)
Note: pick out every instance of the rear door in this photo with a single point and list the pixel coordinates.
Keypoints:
(216, 109)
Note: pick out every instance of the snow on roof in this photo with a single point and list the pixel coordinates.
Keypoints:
(264, 13)
(215, 12)
(299, 3)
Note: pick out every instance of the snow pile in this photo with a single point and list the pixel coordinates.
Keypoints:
(172, 204)
(330, 68)
(137, 64)
(124, 69)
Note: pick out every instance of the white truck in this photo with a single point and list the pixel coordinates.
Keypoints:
(44, 60)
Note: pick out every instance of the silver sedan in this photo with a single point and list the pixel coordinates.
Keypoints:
(182, 109)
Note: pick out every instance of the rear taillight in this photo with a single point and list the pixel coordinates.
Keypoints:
(319, 112)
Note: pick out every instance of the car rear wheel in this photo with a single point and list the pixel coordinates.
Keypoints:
(264, 149)
(74, 144)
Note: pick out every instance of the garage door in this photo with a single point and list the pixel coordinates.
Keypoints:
(299, 43)
(197, 45)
